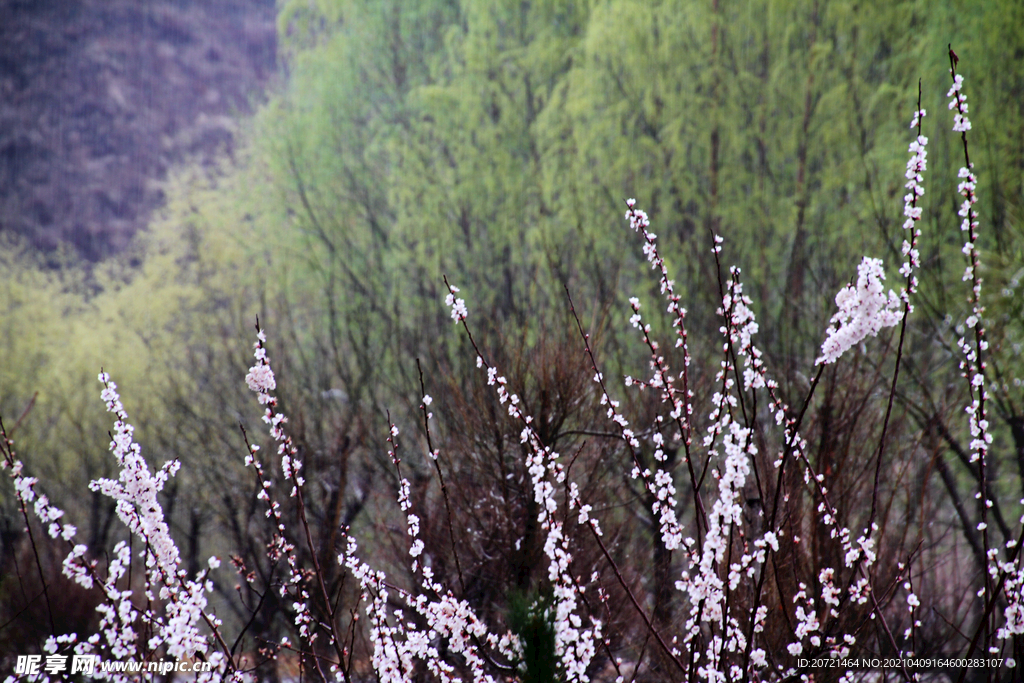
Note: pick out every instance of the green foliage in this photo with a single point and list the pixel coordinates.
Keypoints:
(491, 141)
(529, 617)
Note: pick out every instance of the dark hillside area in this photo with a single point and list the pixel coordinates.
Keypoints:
(99, 97)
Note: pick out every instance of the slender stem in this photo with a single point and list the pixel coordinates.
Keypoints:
(440, 477)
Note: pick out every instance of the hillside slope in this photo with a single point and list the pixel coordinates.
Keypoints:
(98, 98)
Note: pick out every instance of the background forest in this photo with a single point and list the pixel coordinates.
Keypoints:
(495, 142)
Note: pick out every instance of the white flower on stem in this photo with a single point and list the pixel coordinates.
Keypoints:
(973, 365)
(575, 644)
(961, 124)
(916, 166)
(864, 310)
(291, 465)
(664, 506)
(1014, 611)
(458, 306)
(261, 378)
(135, 492)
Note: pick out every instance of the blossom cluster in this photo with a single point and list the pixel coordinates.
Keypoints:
(973, 365)
(575, 643)
(260, 380)
(137, 505)
(864, 310)
(961, 124)
(124, 630)
(679, 400)
(916, 166)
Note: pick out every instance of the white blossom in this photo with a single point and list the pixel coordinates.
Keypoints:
(864, 310)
